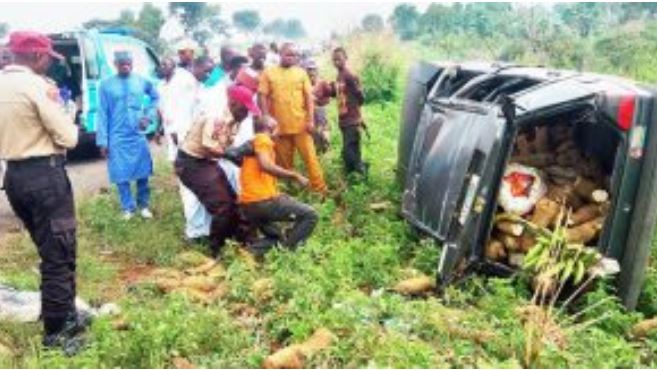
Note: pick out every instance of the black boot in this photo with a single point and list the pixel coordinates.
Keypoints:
(69, 335)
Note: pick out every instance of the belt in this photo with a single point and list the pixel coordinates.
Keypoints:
(55, 160)
(186, 157)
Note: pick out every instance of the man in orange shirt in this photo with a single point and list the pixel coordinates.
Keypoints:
(261, 202)
(285, 93)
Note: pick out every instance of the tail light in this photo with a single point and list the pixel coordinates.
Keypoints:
(626, 109)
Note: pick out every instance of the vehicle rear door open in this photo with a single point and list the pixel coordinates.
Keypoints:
(447, 184)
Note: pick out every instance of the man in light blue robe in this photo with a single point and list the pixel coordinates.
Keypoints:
(123, 115)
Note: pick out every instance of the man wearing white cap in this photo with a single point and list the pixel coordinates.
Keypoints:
(186, 50)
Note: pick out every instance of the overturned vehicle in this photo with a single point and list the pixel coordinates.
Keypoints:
(485, 145)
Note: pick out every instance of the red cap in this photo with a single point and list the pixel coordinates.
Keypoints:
(31, 42)
(244, 96)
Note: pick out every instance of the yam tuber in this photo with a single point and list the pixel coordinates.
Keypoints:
(562, 172)
(534, 160)
(201, 283)
(585, 232)
(545, 212)
(512, 243)
(541, 140)
(263, 289)
(182, 363)
(584, 188)
(516, 259)
(588, 213)
(527, 242)
(523, 147)
(321, 339)
(561, 134)
(201, 269)
(644, 328)
(415, 285)
(569, 157)
(167, 284)
(600, 196)
(287, 358)
(564, 194)
(566, 146)
(292, 357)
(495, 250)
(511, 228)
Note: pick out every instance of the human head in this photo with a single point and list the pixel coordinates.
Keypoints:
(339, 58)
(311, 68)
(273, 47)
(258, 55)
(186, 52)
(33, 50)
(240, 102)
(226, 53)
(123, 63)
(289, 55)
(167, 66)
(202, 67)
(235, 65)
(5, 57)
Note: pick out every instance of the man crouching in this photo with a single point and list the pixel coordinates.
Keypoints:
(261, 202)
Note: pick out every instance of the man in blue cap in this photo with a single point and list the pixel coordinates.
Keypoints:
(123, 116)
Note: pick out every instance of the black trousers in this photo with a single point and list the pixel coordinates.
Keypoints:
(210, 185)
(266, 213)
(40, 194)
(351, 155)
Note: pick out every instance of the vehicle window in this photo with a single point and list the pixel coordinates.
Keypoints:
(450, 84)
(90, 58)
(143, 63)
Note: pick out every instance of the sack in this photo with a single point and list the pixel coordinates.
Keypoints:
(521, 188)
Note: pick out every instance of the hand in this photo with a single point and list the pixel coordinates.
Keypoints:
(310, 126)
(270, 122)
(143, 123)
(302, 180)
(104, 152)
(174, 139)
(219, 128)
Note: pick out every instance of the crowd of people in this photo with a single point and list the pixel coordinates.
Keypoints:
(232, 128)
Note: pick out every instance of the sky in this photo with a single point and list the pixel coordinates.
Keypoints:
(320, 18)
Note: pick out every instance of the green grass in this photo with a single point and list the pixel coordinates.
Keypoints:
(340, 280)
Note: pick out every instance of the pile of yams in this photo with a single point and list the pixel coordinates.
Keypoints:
(576, 185)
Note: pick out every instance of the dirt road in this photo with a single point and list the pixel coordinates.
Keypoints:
(87, 179)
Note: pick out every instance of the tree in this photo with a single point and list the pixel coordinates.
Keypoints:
(150, 21)
(247, 20)
(405, 21)
(4, 29)
(200, 20)
(372, 23)
(145, 26)
(292, 28)
(584, 18)
(295, 29)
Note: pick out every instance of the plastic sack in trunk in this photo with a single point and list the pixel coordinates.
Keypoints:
(521, 188)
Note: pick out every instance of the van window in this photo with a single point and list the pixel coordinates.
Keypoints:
(90, 58)
(143, 63)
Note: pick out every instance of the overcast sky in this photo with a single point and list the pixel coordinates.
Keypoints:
(319, 18)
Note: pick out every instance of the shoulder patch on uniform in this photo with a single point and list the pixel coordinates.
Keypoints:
(53, 93)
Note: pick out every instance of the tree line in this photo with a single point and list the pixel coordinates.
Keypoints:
(618, 38)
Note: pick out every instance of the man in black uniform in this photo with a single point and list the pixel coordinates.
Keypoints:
(34, 135)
